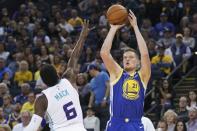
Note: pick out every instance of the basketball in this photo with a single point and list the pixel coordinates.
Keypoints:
(117, 14)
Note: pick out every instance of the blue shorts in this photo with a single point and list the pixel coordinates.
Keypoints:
(124, 124)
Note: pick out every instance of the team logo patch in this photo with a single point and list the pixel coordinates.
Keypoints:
(131, 89)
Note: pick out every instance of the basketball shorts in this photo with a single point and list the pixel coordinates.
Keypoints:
(124, 124)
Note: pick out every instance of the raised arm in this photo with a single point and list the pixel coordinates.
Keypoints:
(145, 60)
(112, 66)
(73, 61)
(40, 107)
(79, 45)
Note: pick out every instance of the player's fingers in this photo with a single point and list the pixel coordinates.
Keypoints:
(130, 16)
(131, 12)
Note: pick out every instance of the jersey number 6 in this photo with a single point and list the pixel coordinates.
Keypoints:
(69, 111)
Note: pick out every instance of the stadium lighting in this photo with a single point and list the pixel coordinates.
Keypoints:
(195, 53)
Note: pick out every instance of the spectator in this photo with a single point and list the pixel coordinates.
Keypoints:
(91, 122)
(29, 105)
(100, 90)
(192, 123)
(161, 62)
(57, 63)
(41, 34)
(22, 97)
(7, 105)
(23, 75)
(148, 125)
(3, 91)
(153, 10)
(187, 39)
(3, 53)
(151, 44)
(179, 51)
(182, 111)
(167, 95)
(3, 119)
(4, 69)
(83, 89)
(192, 100)
(15, 116)
(180, 126)
(147, 25)
(162, 126)
(194, 25)
(167, 39)
(64, 25)
(126, 40)
(4, 127)
(25, 119)
(185, 22)
(45, 56)
(75, 20)
(159, 27)
(14, 64)
(52, 30)
(170, 117)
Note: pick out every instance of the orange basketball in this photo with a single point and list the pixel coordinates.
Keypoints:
(117, 14)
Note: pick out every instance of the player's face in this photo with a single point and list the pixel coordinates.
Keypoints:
(130, 61)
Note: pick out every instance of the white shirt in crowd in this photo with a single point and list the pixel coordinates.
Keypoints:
(148, 125)
(92, 122)
(18, 127)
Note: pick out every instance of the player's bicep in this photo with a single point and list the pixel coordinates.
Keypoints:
(112, 66)
(40, 105)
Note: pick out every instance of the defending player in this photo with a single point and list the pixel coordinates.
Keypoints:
(61, 100)
(128, 85)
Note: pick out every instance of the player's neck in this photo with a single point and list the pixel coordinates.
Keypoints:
(131, 72)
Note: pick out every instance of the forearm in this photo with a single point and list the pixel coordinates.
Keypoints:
(141, 42)
(91, 100)
(76, 53)
(108, 41)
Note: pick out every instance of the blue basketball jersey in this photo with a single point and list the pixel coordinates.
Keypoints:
(127, 100)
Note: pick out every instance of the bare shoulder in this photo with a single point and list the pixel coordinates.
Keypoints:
(41, 105)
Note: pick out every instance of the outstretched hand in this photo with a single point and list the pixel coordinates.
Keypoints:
(85, 28)
(132, 19)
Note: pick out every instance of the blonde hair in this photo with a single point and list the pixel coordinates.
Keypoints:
(168, 113)
(24, 62)
(5, 127)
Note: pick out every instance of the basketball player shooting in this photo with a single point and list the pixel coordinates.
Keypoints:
(60, 102)
(128, 84)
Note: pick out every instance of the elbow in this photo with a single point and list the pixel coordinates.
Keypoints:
(145, 54)
(104, 53)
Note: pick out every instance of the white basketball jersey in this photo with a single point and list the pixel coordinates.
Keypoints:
(63, 105)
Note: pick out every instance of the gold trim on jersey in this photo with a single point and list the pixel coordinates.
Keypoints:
(118, 78)
(144, 85)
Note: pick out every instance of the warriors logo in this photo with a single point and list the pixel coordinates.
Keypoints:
(131, 89)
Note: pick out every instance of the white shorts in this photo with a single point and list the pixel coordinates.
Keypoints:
(75, 127)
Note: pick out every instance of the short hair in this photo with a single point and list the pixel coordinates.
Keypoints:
(49, 75)
(132, 50)
(162, 121)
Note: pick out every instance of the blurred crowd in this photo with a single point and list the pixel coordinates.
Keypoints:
(38, 32)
